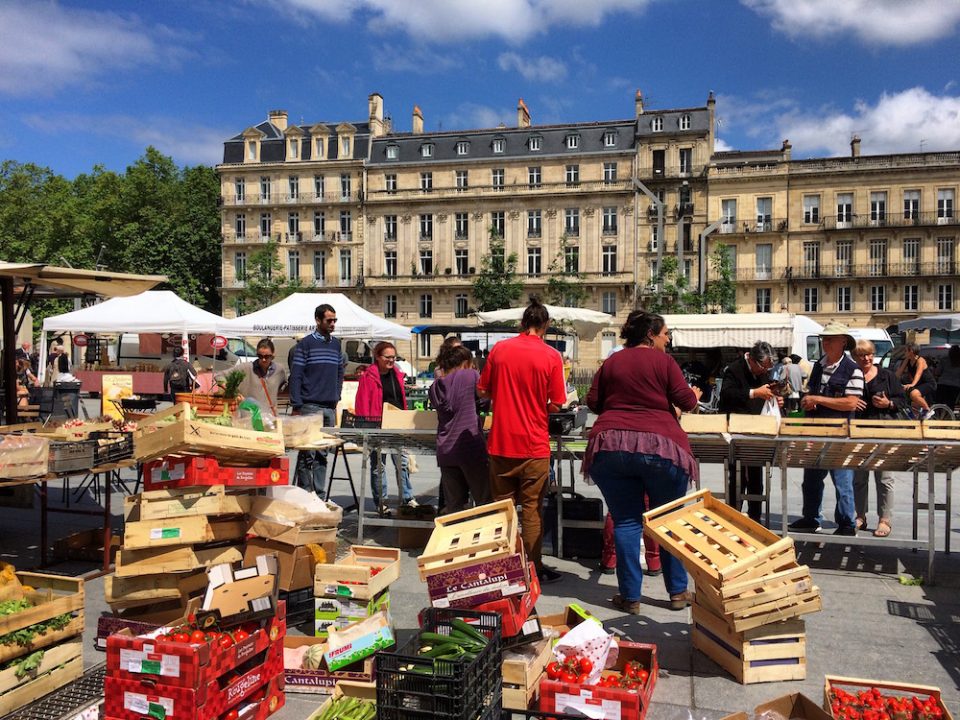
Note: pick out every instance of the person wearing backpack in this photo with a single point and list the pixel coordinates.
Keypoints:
(179, 376)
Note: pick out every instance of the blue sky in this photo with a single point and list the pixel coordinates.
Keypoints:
(95, 82)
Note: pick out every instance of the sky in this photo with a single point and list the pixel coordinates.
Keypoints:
(95, 82)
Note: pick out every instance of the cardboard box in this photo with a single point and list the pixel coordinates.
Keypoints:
(191, 471)
(238, 595)
(481, 582)
(793, 706)
(346, 688)
(296, 562)
(84, 545)
(363, 573)
(396, 419)
(565, 621)
(530, 632)
(358, 640)
(515, 610)
(173, 559)
(321, 680)
(338, 612)
(294, 516)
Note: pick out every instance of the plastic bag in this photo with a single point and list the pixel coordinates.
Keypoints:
(589, 639)
(771, 408)
(253, 416)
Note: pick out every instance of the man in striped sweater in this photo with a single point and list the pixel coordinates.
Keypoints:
(316, 381)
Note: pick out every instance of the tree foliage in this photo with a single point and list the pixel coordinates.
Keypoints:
(565, 284)
(496, 285)
(265, 281)
(720, 294)
(677, 297)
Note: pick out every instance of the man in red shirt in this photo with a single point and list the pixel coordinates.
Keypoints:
(524, 378)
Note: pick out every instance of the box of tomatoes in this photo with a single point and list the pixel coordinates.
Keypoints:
(258, 706)
(183, 655)
(623, 691)
(845, 697)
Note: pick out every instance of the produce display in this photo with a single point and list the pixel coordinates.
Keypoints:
(463, 643)
(349, 708)
(874, 704)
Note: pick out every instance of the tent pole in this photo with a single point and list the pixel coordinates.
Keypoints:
(9, 351)
(185, 344)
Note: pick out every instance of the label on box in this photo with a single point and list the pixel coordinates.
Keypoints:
(589, 706)
(165, 533)
(166, 473)
(146, 662)
(148, 705)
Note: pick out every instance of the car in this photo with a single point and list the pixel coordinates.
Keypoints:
(933, 354)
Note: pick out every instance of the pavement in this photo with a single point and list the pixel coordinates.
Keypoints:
(871, 625)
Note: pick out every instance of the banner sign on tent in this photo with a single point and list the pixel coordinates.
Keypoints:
(218, 342)
(80, 340)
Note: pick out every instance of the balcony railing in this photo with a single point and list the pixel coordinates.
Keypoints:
(303, 198)
(672, 171)
(895, 220)
(870, 271)
(559, 188)
(753, 226)
(612, 230)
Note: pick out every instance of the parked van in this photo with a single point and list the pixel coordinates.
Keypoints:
(160, 351)
(878, 336)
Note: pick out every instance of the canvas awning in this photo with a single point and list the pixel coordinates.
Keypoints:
(585, 323)
(950, 322)
(154, 311)
(738, 330)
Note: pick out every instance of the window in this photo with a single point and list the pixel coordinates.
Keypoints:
(878, 298)
(498, 223)
(460, 306)
(389, 227)
(240, 266)
(426, 226)
(319, 147)
(319, 223)
(534, 261)
(684, 122)
(844, 294)
(265, 226)
(764, 261)
(944, 205)
(534, 144)
(240, 225)
(390, 183)
(426, 262)
(426, 182)
(811, 300)
(462, 180)
(911, 256)
(608, 303)
(878, 208)
(426, 305)
(426, 150)
(425, 345)
(878, 258)
(571, 259)
(609, 139)
(318, 187)
(294, 149)
(763, 299)
(728, 212)
(293, 225)
(320, 268)
(533, 176)
(345, 147)
(609, 221)
(659, 162)
(293, 264)
(496, 178)
(609, 172)
(461, 258)
(239, 189)
(654, 238)
(264, 189)
(251, 149)
(731, 251)
(844, 258)
(911, 204)
(764, 214)
(498, 144)
(573, 142)
(656, 125)
(462, 226)
(688, 269)
(345, 186)
(390, 306)
(534, 226)
(686, 161)
(609, 260)
(945, 265)
(811, 209)
(346, 225)
(844, 209)
(811, 259)
(571, 222)
(911, 297)
(346, 267)
(393, 152)
(572, 174)
(390, 263)
(945, 296)
(463, 148)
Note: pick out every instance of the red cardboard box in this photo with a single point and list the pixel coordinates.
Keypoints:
(188, 470)
(515, 610)
(322, 680)
(482, 582)
(561, 697)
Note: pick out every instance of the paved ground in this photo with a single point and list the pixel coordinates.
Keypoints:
(871, 625)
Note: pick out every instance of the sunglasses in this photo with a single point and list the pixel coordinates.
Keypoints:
(264, 357)
(389, 357)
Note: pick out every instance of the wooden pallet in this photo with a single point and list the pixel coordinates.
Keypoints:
(853, 454)
(60, 665)
(770, 654)
(815, 427)
(174, 432)
(483, 533)
(159, 504)
(127, 592)
(754, 603)
(896, 429)
(193, 530)
(888, 687)
(175, 559)
(941, 429)
(715, 543)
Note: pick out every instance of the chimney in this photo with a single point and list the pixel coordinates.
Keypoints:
(785, 149)
(855, 146)
(375, 106)
(417, 120)
(523, 114)
(278, 118)
(638, 103)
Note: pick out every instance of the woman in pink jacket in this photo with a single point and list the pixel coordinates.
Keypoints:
(382, 383)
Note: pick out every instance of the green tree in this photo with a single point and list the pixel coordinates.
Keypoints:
(720, 294)
(565, 283)
(266, 282)
(496, 285)
(675, 294)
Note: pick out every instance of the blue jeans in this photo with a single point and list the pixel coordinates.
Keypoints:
(625, 479)
(378, 476)
(845, 514)
(311, 472)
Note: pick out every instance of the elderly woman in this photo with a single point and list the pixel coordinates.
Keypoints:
(637, 448)
(917, 379)
(883, 397)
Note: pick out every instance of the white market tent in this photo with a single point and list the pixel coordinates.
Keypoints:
(153, 311)
(294, 315)
(781, 330)
(585, 323)
(949, 322)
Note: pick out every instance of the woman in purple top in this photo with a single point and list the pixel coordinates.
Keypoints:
(461, 448)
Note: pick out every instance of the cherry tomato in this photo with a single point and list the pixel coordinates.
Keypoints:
(232, 714)
(198, 636)
(241, 635)
(225, 640)
(586, 665)
(554, 670)
(181, 637)
(568, 677)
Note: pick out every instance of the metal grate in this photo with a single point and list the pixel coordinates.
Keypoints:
(67, 702)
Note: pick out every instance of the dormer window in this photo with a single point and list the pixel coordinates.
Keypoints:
(318, 148)
(609, 139)
(294, 153)
(685, 122)
(251, 149)
(426, 150)
(463, 148)
(657, 124)
(345, 147)
(393, 152)
(534, 143)
(498, 145)
(573, 142)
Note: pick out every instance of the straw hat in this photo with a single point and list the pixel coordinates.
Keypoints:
(834, 329)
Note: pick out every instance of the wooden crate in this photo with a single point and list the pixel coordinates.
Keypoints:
(897, 429)
(485, 532)
(739, 424)
(353, 576)
(769, 654)
(141, 590)
(182, 531)
(60, 666)
(23, 456)
(51, 595)
(159, 504)
(347, 688)
(853, 685)
(815, 427)
(941, 429)
(174, 559)
(695, 424)
(716, 543)
(173, 431)
(77, 432)
(522, 670)
(761, 601)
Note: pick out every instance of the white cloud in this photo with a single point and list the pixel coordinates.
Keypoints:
(469, 116)
(538, 69)
(45, 47)
(720, 145)
(447, 21)
(187, 143)
(418, 59)
(874, 22)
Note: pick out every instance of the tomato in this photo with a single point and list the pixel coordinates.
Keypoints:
(642, 676)
(586, 665)
(198, 636)
(181, 637)
(568, 677)
(225, 640)
(232, 714)
(582, 679)
(163, 638)
(241, 635)
(554, 670)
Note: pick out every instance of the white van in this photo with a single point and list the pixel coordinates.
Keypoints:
(878, 336)
(236, 350)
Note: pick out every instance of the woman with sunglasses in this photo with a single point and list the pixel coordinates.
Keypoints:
(263, 379)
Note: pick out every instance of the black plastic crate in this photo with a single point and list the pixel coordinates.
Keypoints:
(411, 687)
(300, 606)
(111, 446)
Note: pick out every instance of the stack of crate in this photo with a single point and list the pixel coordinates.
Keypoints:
(750, 590)
(354, 588)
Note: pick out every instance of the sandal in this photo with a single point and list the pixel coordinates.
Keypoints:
(631, 607)
(883, 529)
(861, 523)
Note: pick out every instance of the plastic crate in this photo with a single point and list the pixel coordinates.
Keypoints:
(449, 690)
(111, 446)
(73, 456)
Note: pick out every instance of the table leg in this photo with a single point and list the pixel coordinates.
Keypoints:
(931, 510)
(947, 510)
(559, 458)
(916, 503)
(43, 524)
(784, 530)
(107, 517)
(363, 489)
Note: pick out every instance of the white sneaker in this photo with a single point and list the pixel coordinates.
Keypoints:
(412, 503)
(928, 414)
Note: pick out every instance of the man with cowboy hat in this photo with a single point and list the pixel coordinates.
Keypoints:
(836, 386)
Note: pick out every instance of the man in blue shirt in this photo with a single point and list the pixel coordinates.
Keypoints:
(316, 381)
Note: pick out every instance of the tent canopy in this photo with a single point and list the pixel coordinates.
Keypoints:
(294, 316)
(949, 322)
(585, 323)
(738, 330)
(51, 281)
(154, 311)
